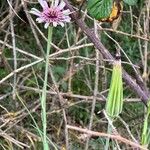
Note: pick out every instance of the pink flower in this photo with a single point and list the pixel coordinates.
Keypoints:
(54, 15)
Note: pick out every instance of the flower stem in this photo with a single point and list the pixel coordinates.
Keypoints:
(43, 99)
(109, 130)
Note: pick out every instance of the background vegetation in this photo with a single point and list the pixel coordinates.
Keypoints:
(78, 75)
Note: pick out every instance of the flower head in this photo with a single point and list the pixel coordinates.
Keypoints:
(54, 15)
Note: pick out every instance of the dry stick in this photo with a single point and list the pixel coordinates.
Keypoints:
(61, 51)
(19, 116)
(14, 10)
(4, 60)
(72, 54)
(38, 61)
(138, 33)
(4, 22)
(131, 18)
(14, 50)
(62, 103)
(127, 34)
(11, 139)
(74, 57)
(20, 69)
(100, 134)
(106, 54)
(146, 31)
(20, 50)
(95, 90)
(70, 63)
(29, 133)
(127, 128)
(16, 35)
(32, 27)
(94, 97)
(69, 95)
(5, 96)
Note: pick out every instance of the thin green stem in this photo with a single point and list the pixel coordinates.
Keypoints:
(43, 100)
(109, 130)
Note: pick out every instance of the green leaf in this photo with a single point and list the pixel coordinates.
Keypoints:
(99, 9)
(130, 2)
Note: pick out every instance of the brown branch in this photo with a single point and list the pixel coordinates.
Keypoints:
(116, 137)
(127, 34)
(143, 94)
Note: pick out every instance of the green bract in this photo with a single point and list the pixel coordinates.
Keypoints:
(115, 96)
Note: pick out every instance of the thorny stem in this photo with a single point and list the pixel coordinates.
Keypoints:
(137, 87)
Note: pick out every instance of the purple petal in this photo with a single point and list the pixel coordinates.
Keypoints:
(56, 3)
(40, 20)
(46, 25)
(35, 12)
(54, 24)
(43, 3)
(67, 19)
(61, 5)
(62, 24)
(66, 12)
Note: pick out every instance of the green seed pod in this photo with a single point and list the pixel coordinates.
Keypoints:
(115, 96)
